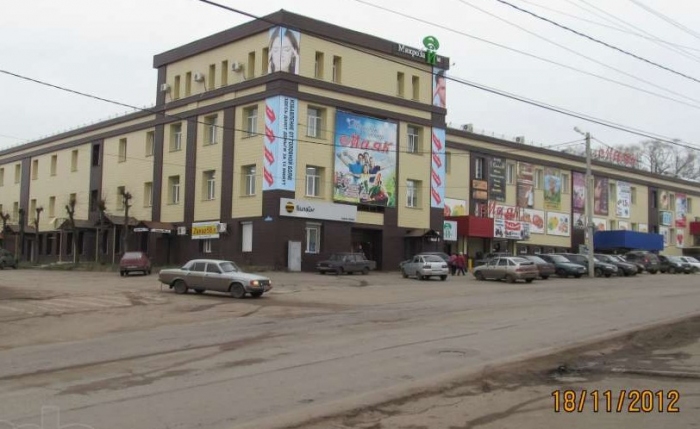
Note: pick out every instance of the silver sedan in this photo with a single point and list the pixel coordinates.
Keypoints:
(214, 275)
(423, 267)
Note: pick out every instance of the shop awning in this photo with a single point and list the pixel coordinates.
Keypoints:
(610, 240)
(473, 226)
(155, 227)
(427, 233)
(119, 220)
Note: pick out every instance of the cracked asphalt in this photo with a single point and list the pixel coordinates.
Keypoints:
(374, 351)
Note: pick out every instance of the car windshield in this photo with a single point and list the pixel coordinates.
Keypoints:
(229, 267)
(521, 261)
(535, 259)
(675, 259)
(691, 259)
(603, 258)
(433, 258)
(132, 255)
(336, 257)
(559, 258)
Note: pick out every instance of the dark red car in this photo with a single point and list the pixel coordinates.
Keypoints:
(134, 261)
(545, 268)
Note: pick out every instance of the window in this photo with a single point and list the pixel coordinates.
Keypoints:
(478, 168)
(93, 200)
(654, 200)
(415, 88)
(633, 196)
(73, 197)
(247, 237)
(635, 226)
(188, 84)
(122, 150)
(413, 139)
(150, 143)
(210, 130)
(315, 122)
(176, 88)
(35, 169)
(613, 225)
(313, 238)
(313, 181)
(174, 189)
(539, 178)
(209, 185)
(74, 160)
(175, 137)
(18, 172)
(96, 155)
(148, 194)
(613, 194)
(448, 162)
(337, 63)
(688, 205)
(213, 268)
(249, 180)
(251, 121)
(2, 177)
(206, 247)
(510, 174)
(265, 60)
(399, 84)
(411, 193)
(212, 76)
(318, 65)
(120, 197)
(224, 73)
(15, 211)
(565, 184)
(250, 70)
(32, 210)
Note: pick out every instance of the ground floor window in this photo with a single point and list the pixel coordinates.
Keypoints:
(313, 238)
(205, 246)
(247, 237)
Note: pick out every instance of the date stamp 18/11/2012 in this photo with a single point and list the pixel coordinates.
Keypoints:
(622, 401)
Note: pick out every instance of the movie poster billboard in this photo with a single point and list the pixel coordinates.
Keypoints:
(681, 210)
(579, 221)
(439, 88)
(579, 191)
(437, 169)
(525, 185)
(497, 179)
(280, 144)
(624, 200)
(552, 189)
(283, 50)
(600, 196)
(455, 207)
(365, 160)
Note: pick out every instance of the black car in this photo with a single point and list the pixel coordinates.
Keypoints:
(650, 260)
(674, 264)
(638, 264)
(601, 268)
(623, 268)
(564, 267)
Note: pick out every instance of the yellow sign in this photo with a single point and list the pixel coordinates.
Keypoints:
(205, 230)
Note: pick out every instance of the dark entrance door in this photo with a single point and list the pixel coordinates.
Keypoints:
(369, 242)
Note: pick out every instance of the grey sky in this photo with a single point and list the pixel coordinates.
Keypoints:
(106, 48)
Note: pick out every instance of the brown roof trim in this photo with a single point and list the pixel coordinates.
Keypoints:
(302, 23)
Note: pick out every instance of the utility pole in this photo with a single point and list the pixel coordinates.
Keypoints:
(590, 187)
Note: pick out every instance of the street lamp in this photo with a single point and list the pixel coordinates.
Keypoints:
(588, 207)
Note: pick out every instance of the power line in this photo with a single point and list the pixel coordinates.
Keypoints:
(667, 19)
(593, 39)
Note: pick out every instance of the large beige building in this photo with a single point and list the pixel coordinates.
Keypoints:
(280, 141)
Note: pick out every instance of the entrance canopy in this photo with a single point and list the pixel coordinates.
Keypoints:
(628, 240)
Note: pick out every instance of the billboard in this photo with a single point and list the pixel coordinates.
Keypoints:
(552, 189)
(280, 143)
(439, 88)
(558, 224)
(365, 160)
(623, 200)
(536, 220)
(600, 196)
(497, 179)
(525, 185)
(664, 201)
(283, 50)
(579, 190)
(437, 169)
(681, 210)
(455, 207)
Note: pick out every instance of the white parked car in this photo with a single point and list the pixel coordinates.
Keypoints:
(423, 267)
(693, 262)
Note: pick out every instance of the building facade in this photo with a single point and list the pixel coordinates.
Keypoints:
(280, 141)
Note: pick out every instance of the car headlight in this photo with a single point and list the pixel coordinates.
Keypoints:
(254, 283)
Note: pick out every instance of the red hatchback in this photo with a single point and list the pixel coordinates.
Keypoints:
(134, 261)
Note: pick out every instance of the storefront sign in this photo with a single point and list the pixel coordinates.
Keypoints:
(502, 211)
(579, 186)
(666, 218)
(624, 200)
(205, 230)
(511, 230)
(600, 196)
(140, 229)
(615, 156)
(681, 210)
(623, 225)
(280, 143)
(497, 179)
(418, 54)
(454, 207)
(449, 230)
(318, 210)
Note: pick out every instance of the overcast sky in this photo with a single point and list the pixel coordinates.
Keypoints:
(106, 48)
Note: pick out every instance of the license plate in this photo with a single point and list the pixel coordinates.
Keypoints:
(132, 266)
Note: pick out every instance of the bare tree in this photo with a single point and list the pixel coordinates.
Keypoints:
(36, 232)
(70, 210)
(669, 159)
(101, 209)
(5, 217)
(126, 197)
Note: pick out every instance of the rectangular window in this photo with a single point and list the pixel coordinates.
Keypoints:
(35, 169)
(265, 60)
(175, 137)
(52, 206)
(565, 184)
(250, 69)
(54, 164)
(318, 65)
(539, 178)
(247, 237)
(633, 196)
(635, 226)
(211, 80)
(313, 238)
(2, 177)
(210, 129)
(337, 64)
(208, 185)
(689, 205)
(415, 88)
(120, 197)
(73, 197)
(479, 168)
(150, 143)
(69, 243)
(224, 73)
(15, 211)
(188, 84)
(18, 172)
(176, 88)
(510, 174)
(206, 246)
(313, 181)
(654, 200)
(32, 210)
(613, 194)
(174, 189)
(93, 200)
(96, 155)
(249, 180)
(413, 139)
(314, 127)
(399, 84)
(148, 194)
(411, 193)
(448, 162)
(251, 121)
(122, 150)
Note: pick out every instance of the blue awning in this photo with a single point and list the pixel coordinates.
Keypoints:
(609, 240)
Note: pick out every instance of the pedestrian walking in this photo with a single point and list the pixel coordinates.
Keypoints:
(452, 263)
(461, 264)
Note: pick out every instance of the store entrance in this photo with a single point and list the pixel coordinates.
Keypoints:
(369, 242)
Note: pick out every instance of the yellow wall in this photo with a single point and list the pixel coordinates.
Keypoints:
(10, 191)
(318, 152)
(414, 167)
(247, 151)
(173, 165)
(208, 158)
(132, 174)
(457, 179)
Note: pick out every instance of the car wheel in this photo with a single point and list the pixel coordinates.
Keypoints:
(404, 274)
(529, 280)
(323, 273)
(339, 271)
(672, 270)
(148, 272)
(237, 290)
(180, 287)
(443, 278)
(122, 273)
(365, 271)
(545, 277)
(598, 272)
(652, 272)
(608, 275)
(578, 276)
(479, 276)
(256, 294)
(2, 265)
(510, 278)
(561, 273)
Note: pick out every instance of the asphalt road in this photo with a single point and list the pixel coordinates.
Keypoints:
(132, 356)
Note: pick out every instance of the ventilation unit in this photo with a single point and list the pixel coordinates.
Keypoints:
(520, 139)
(468, 128)
(199, 77)
(165, 87)
(181, 230)
(236, 66)
(222, 227)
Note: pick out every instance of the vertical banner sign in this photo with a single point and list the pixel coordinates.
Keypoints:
(552, 189)
(624, 200)
(280, 144)
(439, 88)
(283, 50)
(497, 179)
(600, 196)
(681, 210)
(579, 197)
(365, 160)
(437, 170)
(663, 200)
(525, 185)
